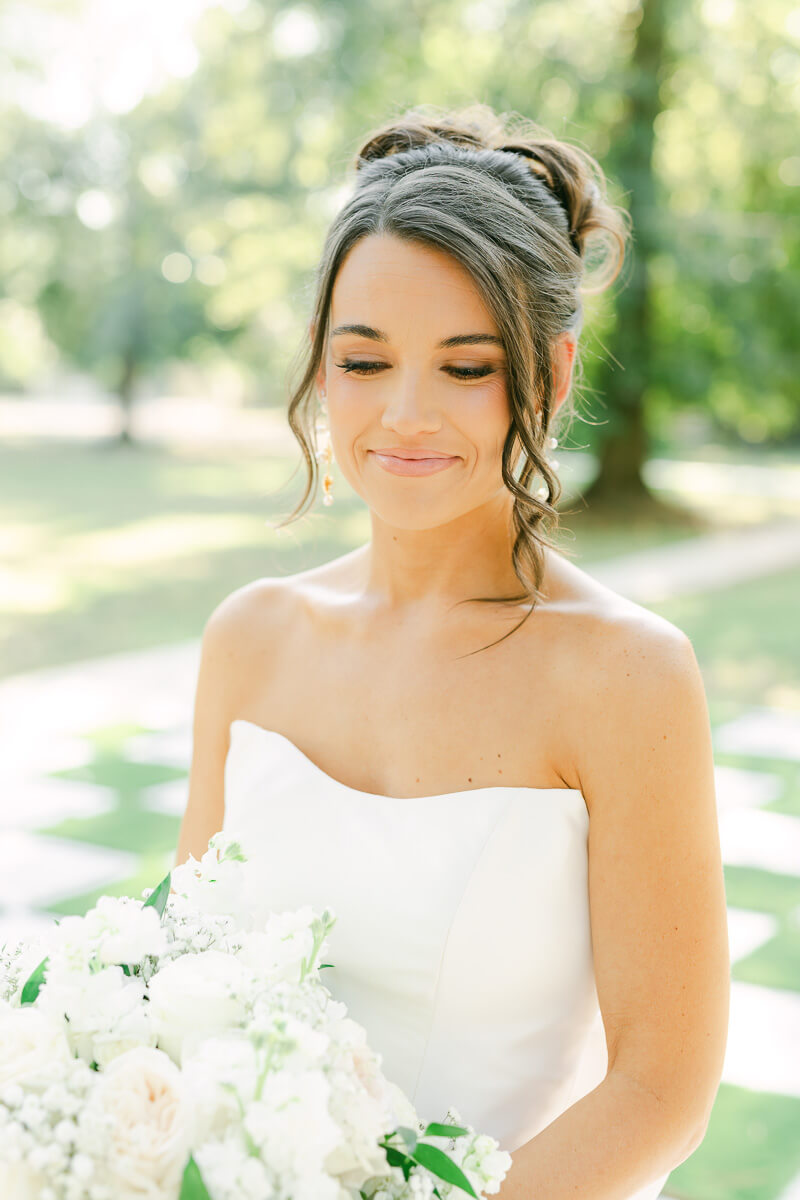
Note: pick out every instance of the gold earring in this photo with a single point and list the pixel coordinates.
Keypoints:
(325, 452)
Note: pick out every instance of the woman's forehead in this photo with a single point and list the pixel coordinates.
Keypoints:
(392, 286)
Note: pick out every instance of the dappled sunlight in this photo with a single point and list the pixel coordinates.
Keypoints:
(158, 540)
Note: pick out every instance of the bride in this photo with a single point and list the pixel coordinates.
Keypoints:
(510, 807)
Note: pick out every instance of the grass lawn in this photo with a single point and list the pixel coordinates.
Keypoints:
(108, 548)
(746, 640)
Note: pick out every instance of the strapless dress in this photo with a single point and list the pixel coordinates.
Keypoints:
(463, 939)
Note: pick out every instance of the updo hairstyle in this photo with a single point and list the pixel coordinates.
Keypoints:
(522, 212)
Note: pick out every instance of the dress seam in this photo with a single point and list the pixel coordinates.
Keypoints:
(440, 970)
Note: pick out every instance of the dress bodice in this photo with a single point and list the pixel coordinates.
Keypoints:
(462, 942)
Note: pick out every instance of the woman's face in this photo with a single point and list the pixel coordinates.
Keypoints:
(393, 384)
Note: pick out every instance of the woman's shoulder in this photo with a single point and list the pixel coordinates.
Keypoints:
(271, 606)
(620, 665)
(604, 620)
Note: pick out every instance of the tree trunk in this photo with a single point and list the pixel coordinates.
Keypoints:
(624, 374)
(125, 392)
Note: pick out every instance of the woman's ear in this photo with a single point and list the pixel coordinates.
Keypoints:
(566, 347)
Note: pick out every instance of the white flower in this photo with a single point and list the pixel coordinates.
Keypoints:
(230, 1173)
(216, 882)
(403, 1111)
(134, 1028)
(292, 1126)
(123, 930)
(218, 1071)
(20, 1182)
(277, 951)
(17, 962)
(196, 996)
(150, 1113)
(30, 1042)
(94, 1006)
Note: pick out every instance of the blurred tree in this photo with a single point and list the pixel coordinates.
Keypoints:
(190, 226)
(625, 374)
(120, 298)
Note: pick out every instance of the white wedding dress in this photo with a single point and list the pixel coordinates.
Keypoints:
(463, 940)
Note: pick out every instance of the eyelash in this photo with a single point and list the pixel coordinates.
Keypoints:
(367, 367)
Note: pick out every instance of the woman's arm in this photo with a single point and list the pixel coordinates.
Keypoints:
(659, 925)
(226, 658)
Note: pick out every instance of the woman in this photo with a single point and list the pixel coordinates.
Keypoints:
(513, 818)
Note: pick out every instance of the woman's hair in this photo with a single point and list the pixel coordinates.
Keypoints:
(519, 210)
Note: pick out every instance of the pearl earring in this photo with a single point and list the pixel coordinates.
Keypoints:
(553, 462)
(325, 452)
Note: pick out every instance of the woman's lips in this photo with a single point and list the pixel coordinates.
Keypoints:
(411, 466)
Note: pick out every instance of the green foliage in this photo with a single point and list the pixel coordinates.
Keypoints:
(189, 226)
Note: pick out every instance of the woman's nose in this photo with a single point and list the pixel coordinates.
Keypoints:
(409, 410)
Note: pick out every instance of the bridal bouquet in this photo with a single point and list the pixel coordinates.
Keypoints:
(184, 1047)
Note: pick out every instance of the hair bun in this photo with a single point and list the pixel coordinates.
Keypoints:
(553, 176)
(407, 134)
(570, 173)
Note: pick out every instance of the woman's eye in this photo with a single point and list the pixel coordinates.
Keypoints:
(369, 367)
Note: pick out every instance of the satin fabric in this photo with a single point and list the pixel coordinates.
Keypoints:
(463, 938)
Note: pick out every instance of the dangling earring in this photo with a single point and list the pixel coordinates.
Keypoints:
(552, 442)
(325, 452)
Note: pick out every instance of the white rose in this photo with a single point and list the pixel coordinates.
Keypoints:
(143, 1096)
(196, 996)
(30, 1042)
(133, 1028)
(123, 930)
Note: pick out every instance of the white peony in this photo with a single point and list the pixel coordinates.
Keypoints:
(196, 996)
(30, 1042)
(144, 1098)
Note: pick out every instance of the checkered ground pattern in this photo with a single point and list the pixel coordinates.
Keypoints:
(100, 813)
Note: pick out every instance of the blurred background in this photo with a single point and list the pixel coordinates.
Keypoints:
(167, 172)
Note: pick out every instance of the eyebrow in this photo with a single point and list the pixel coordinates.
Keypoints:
(458, 339)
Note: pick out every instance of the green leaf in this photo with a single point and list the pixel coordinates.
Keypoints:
(398, 1158)
(437, 1129)
(192, 1185)
(158, 896)
(439, 1163)
(34, 981)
